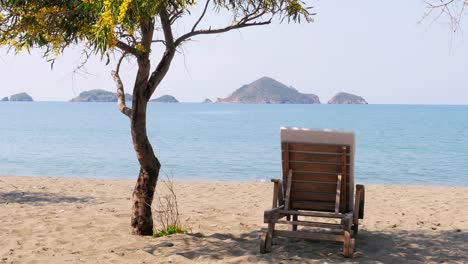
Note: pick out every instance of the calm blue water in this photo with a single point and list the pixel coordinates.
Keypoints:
(230, 142)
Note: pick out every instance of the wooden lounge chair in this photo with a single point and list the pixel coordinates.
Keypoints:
(318, 183)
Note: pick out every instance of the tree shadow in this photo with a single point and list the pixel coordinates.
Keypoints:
(372, 247)
(39, 198)
(414, 246)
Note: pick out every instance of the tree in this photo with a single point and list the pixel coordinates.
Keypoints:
(129, 28)
(452, 9)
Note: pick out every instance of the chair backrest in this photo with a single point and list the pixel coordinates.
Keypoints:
(316, 158)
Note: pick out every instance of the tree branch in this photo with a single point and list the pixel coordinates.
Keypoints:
(163, 67)
(173, 17)
(217, 31)
(120, 89)
(453, 9)
(201, 16)
(128, 49)
(166, 26)
(442, 4)
(159, 41)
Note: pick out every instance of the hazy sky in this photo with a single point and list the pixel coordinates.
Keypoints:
(376, 49)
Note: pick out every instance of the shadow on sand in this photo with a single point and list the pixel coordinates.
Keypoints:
(39, 198)
(373, 247)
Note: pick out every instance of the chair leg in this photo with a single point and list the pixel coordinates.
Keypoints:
(346, 244)
(265, 244)
(352, 246)
(356, 228)
(294, 227)
(262, 244)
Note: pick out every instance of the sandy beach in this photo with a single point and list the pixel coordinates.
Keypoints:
(58, 220)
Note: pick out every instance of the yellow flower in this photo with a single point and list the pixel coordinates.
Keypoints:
(106, 17)
(123, 10)
(140, 47)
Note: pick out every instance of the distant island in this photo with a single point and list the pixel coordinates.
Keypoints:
(269, 91)
(165, 99)
(207, 101)
(99, 95)
(347, 98)
(19, 97)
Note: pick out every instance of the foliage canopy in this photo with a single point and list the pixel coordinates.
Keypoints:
(103, 25)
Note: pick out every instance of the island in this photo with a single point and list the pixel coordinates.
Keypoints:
(4, 99)
(99, 95)
(207, 101)
(347, 98)
(165, 99)
(21, 97)
(269, 91)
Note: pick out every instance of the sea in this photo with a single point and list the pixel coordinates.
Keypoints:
(395, 144)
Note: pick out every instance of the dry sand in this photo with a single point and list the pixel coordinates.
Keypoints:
(58, 220)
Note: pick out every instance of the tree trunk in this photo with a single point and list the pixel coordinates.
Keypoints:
(142, 219)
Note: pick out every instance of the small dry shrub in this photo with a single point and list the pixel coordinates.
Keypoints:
(167, 210)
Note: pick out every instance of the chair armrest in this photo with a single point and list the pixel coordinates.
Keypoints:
(270, 216)
(347, 220)
(278, 195)
(359, 201)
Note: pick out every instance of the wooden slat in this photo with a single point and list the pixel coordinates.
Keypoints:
(312, 224)
(313, 196)
(285, 149)
(285, 156)
(285, 161)
(313, 174)
(314, 157)
(315, 148)
(308, 235)
(303, 166)
(315, 168)
(337, 196)
(312, 214)
(275, 195)
(313, 206)
(288, 190)
(318, 177)
(313, 186)
(281, 193)
(315, 163)
(344, 175)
